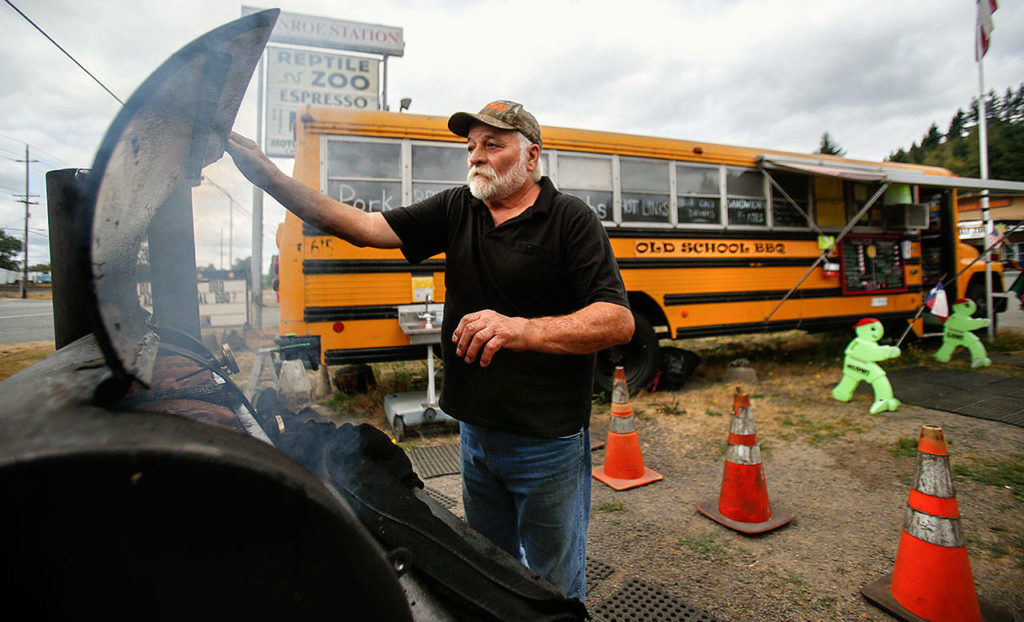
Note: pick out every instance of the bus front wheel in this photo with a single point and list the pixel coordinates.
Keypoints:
(640, 358)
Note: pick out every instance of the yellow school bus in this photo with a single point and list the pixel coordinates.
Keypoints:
(710, 239)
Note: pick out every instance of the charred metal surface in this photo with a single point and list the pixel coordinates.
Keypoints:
(136, 479)
(66, 194)
(173, 125)
(67, 378)
(172, 265)
(151, 516)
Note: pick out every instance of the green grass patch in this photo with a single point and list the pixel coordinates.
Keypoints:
(712, 413)
(610, 506)
(820, 430)
(671, 408)
(706, 545)
(1007, 472)
(905, 448)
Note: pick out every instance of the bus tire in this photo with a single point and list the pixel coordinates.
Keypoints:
(640, 357)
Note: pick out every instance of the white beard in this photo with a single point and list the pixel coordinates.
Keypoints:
(486, 185)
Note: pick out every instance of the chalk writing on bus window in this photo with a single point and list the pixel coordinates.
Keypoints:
(599, 201)
(746, 211)
(640, 207)
(698, 210)
(369, 196)
(423, 191)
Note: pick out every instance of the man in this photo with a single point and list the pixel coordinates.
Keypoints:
(532, 292)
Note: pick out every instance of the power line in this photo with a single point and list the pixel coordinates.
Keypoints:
(65, 52)
(54, 158)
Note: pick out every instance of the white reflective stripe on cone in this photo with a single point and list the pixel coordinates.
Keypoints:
(934, 529)
(622, 425)
(743, 454)
(934, 476)
(620, 394)
(742, 423)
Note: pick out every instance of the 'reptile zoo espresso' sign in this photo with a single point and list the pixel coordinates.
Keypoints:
(297, 78)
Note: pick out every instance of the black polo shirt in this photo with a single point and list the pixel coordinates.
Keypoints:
(553, 259)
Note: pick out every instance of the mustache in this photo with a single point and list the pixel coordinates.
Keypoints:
(483, 171)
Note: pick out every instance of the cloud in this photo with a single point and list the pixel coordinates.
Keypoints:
(774, 74)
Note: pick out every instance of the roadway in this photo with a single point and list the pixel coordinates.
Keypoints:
(24, 320)
(31, 319)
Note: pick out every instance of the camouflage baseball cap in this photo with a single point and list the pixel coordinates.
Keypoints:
(502, 114)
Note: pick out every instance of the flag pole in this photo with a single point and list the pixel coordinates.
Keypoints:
(983, 160)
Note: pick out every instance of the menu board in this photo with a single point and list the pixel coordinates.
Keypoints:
(872, 264)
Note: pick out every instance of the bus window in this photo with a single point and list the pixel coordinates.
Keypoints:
(745, 196)
(798, 188)
(857, 194)
(365, 174)
(349, 158)
(590, 180)
(698, 194)
(645, 187)
(829, 205)
(435, 169)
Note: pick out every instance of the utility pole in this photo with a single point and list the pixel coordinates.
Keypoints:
(231, 225)
(27, 201)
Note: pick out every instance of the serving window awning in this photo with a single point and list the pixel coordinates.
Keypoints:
(861, 172)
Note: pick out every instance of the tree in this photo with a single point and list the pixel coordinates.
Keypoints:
(900, 155)
(10, 247)
(829, 146)
(957, 125)
(932, 139)
(241, 267)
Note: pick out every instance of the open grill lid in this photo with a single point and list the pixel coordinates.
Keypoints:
(174, 124)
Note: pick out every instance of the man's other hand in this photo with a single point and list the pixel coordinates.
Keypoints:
(485, 332)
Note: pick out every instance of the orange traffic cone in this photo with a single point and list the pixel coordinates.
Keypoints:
(743, 502)
(624, 462)
(931, 579)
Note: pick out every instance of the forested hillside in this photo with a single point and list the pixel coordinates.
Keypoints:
(956, 148)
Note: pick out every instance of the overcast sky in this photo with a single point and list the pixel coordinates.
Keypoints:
(761, 73)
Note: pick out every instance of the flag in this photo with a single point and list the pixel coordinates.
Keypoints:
(936, 301)
(984, 27)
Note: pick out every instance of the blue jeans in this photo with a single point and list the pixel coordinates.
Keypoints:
(531, 497)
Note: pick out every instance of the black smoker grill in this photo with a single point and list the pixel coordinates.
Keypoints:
(120, 499)
(136, 479)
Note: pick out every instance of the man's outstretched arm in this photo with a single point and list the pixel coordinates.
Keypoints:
(330, 216)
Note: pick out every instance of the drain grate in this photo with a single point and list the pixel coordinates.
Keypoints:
(971, 393)
(1010, 387)
(996, 408)
(597, 572)
(441, 498)
(435, 460)
(1007, 358)
(943, 379)
(638, 600)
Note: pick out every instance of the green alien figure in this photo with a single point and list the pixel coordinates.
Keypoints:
(859, 364)
(956, 332)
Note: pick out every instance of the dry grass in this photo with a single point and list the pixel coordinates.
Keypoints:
(15, 357)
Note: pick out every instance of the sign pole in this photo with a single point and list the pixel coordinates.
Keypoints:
(256, 259)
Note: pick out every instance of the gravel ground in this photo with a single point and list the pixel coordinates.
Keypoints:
(844, 473)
